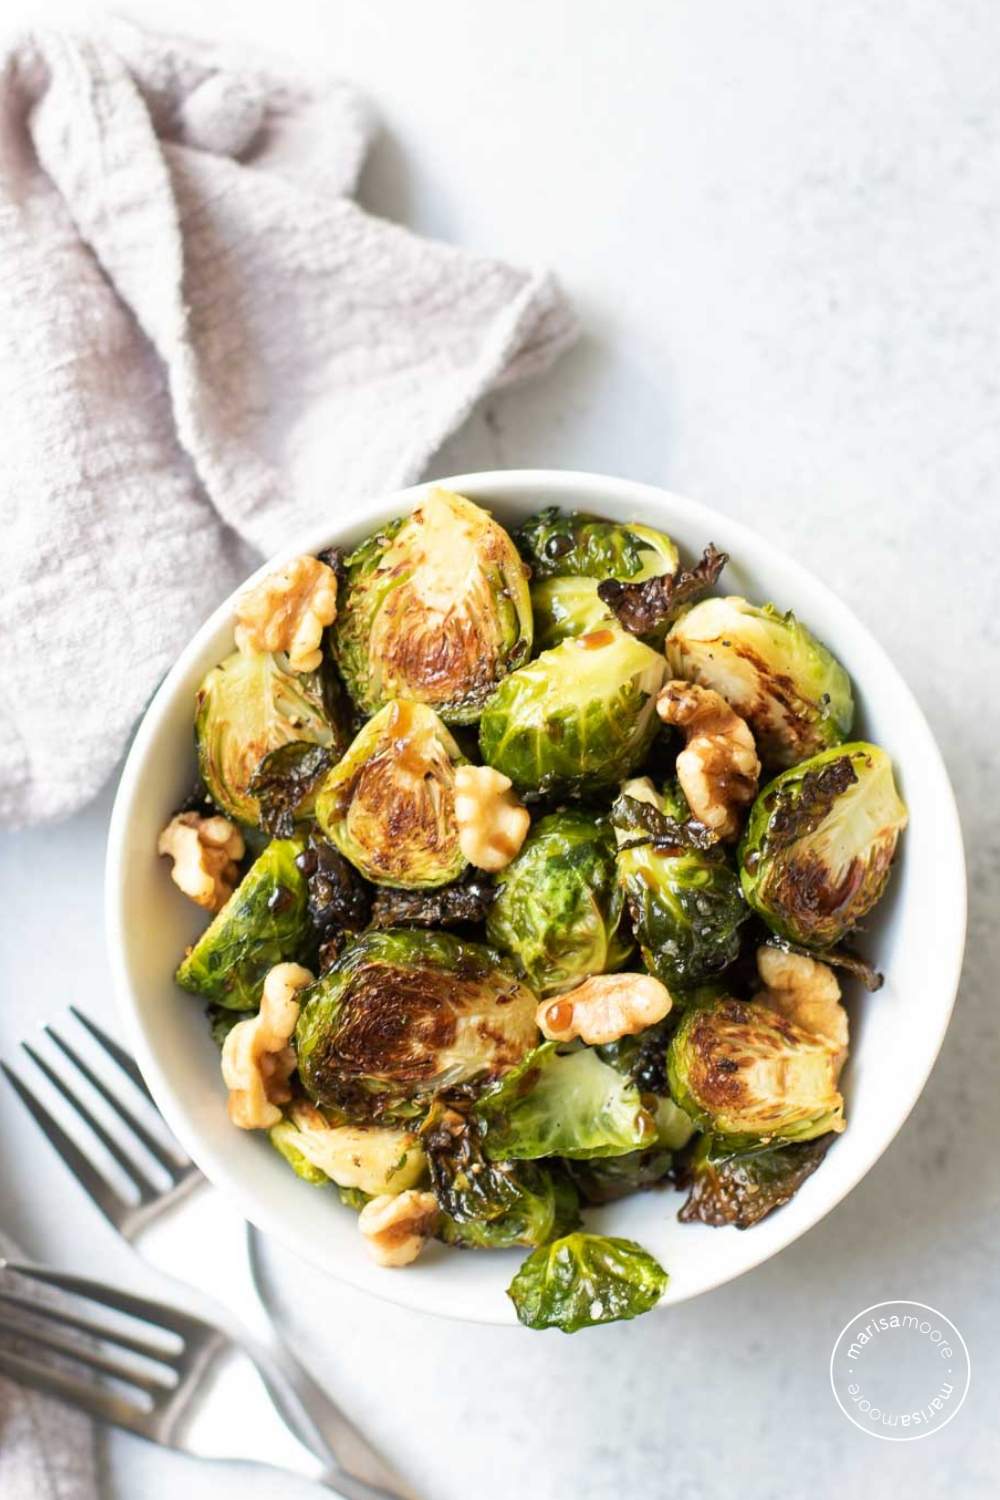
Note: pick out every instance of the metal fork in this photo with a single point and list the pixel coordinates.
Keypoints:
(186, 1230)
(175, 1379)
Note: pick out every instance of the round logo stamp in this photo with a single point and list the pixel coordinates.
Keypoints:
(900, 1371)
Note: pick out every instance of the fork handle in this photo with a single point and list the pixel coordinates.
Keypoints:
(208, 1246)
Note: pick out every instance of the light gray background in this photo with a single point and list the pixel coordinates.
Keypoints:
(779, 223)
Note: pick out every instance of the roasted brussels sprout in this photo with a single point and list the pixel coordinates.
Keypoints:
(404, 1014)
(585, 1279)
(741, 1188)
(264, 922)
(819, 844)
(564, 608)
(564, 1104)
(684, 898)
(578, 718)
(559, 910)
(389, 804)
(605, 1179)
(791, 690)
(489, 1205)
(558, 545)
(742, 1071)
(435, 609)
(250, 706)
(372, 1159)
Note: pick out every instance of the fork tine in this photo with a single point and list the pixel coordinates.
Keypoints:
(82, 1325)
(157, 1314)
(98, 1401)
(124, 1059)
(147, 1192)
(112, 1206)
(103, 1364)
(152, 1145)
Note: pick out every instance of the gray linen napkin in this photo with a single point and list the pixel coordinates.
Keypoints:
(46, 1450)
(204, 345)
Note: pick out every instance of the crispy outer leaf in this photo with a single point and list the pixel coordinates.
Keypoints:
(817, 792)
(640, 822)
(644, 607)
(466, 901)
(743, 1188)
(585, 1279)
(284, 781)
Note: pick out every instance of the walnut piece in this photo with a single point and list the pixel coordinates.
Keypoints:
(604, 1008)
(805, 991)
(257, 1056)
(396, 1226)
(492, 824)
(205, 853)
(718, 767)
(288, 611)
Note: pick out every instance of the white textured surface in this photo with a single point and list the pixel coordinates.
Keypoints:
(779, 223)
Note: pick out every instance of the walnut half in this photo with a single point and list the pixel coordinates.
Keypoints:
(396, 1226)
(205, 853)
(257, 1056)
(288, 611)
(492, 824)
(718, 767)
(604, 1008)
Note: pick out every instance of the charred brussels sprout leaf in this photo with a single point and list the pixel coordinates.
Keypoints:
(560, 911)
(389, 804)
(435, 610)
(585, 1279)
(248, 707)
(403, 1015)
(339, 900)
(744, 1072)
(578, 718)
(647, 607)
(264, 922)
(564, 1104)
(819, 844)
(791, 690)
(490, 1205)
(285, 783)
(558, 545)
(744, 1187)
(683, 894)
(465, 902)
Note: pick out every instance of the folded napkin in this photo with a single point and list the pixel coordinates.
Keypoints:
(204, 345)
(46, 1450)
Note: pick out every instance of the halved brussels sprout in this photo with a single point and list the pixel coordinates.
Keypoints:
(389, 804)
(819, 844)
(685, 901)
(251, 705)
(559, 545)
(585, 1279)
(435, 609)
(370, 1158)
(264, 922)
(488, 1205)
(742, 1071)
(743, 1187)
(559, 910)
(403, 1015)
(578, 718)
(791, 690)
(564, 1104)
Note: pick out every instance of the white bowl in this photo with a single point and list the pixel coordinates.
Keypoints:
(916, 937)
